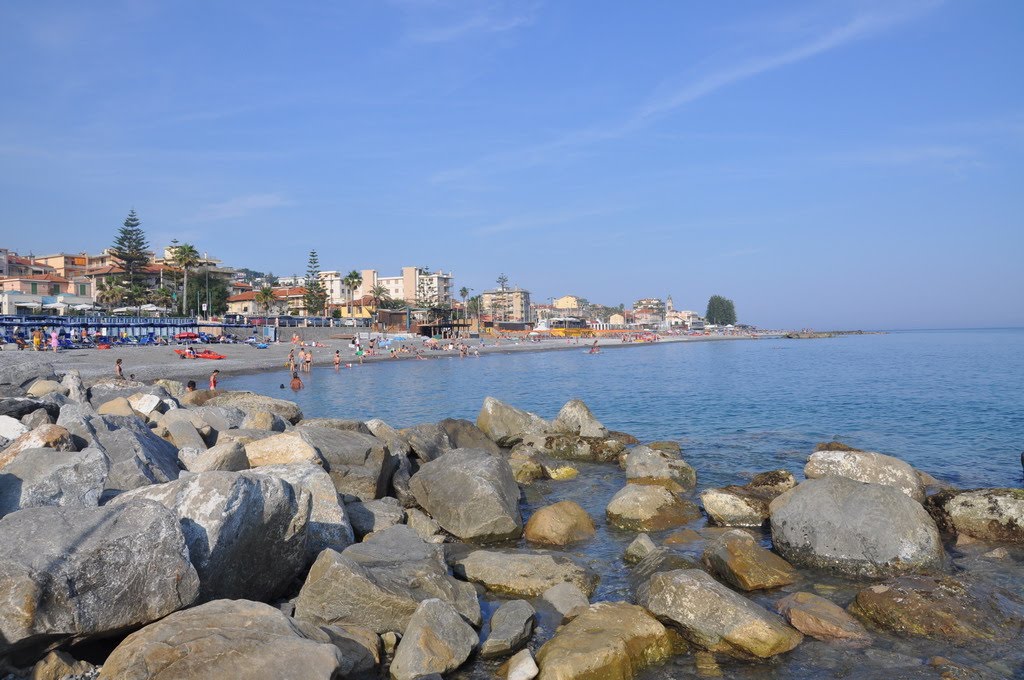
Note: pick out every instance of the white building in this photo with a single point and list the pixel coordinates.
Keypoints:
(413, 285)
(338, 293)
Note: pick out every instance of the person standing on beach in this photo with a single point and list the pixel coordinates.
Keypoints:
(309, 361)
(54, 342)
(118, 370)
(337, 359)
(37, 339)
(213, 379)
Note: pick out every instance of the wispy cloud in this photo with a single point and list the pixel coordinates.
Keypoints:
(484, 20)
(696, 87)
(241, 206)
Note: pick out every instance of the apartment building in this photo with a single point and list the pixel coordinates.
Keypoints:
(415, 285)
(509, 304)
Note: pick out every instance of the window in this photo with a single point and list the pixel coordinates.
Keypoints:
(34, 288)
(54, 289)
(82, 289)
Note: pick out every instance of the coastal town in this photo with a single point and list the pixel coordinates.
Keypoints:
(139, 290)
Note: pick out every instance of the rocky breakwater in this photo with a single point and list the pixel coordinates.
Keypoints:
(224, 534)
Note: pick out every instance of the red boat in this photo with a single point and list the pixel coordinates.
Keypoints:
(202, 354)
(187, 335)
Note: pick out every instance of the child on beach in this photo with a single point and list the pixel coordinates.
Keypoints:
(53, 340)
(190, 386)
(213, 379)
(118, 370)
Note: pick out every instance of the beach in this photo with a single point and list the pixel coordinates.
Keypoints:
(153, 362)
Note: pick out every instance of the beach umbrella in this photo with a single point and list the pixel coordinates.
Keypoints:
(121, 310)
(82, 308)
(29, 304)
(56, 305)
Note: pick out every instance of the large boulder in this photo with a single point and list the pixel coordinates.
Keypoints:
(250, 401)
(43, 437)
(224, 639)
(40, 477)
(643, 507)
(137, 456)
(329, 525)
(389, 435)
(608, 640)
(941, 607)
(246, 533)
(576, 418)
(559, 524)
(471, 494)
(437, 640)
(464, 434)
(655, 562)
(227, 457)
(737, 506)
(866, 466)
(40, 388)
(76, 391)
(108, 389)
(71, 573)
(854, 528)
(712, 616)
(988, 514)
(645, 465)
(428, 441)
(821, 619)
(524, 573)
(19, 407)
(379, 583)
(739, 561)
(507, 425)
(511, 627)
(573, 447)
(370, 516)
(11, 428)
(359, 464)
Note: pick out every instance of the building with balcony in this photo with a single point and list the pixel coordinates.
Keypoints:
(508, 304)
(416, 286)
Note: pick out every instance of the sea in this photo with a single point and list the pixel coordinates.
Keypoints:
(947, 401)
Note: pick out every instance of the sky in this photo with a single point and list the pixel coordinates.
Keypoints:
(847, 164)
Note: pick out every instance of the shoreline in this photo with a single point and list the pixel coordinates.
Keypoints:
(152, 363)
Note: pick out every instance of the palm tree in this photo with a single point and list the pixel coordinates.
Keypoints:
(161, 297)
(464, 293)
(379, 294)
(265, 298)
(110, 293)
(185, 257)
(353, 280)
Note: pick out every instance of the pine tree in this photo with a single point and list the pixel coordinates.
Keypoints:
(315, 298)
(721, 311)
(130, 248)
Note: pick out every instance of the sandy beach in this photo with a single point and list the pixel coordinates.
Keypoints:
(151, 363)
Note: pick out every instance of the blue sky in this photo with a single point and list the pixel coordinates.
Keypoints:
(840, 164)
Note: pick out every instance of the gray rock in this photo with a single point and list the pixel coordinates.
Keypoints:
(645, 465)
(33, 420)
(137, 456)
(511, 628)
(265, 420)
(987, 514)
(24, 373)
(436, 640)
(246, 533)
(379, 583)
(184, 435)
(225, 639)
(655, 562)
(229, 457)
(711, 616)
(645, 507)
(524, 573)
(866, 466)
(108, 389)
(360, 647)
(250, 401)
(522, 666)
(41, 477)
(422, 523)
(72, 382)
(738, 506)
(471, 494)
(573, 447)
(329, 524)
(427, 441)
(12, 428)
(464, 434)
(640, 548)
(389, 435)
(40, 388)
(370, 516)
(854, 528)
(337, 424)
(507, 425)
(566, 599)
(19, 407)
(576, 418)
(76, 572)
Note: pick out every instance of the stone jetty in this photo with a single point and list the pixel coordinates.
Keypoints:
(151, 533)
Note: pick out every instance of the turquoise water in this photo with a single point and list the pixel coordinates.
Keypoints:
(948, 402)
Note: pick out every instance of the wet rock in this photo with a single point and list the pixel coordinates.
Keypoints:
(737, 506)
(246, 533)
(711, 616)
(223, 639)
(427, 442)
(471, 494)
(524, 573)
(59, 665)
(575, 447)
(559, 524)
(657, 561)
(116, 568)
(249, 401)
(738, 560)
(986, 514)
(43, 477)
(608, 640)
(641, 507)
(866, 466)
(671, 447)
(372, 516)
(43, 437)
(227, 457)
(436, 640)
(683, 537)
(379, 583)
(645, 465)
(940, 607)
(560, 473)
(576, 418)
(526, 466)
(507, 425)
(821, 619)
(464, 434)
(329, 525)
(566, 599)
(839, 524)
(775, 481)
(511, 628)
(641, 547)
